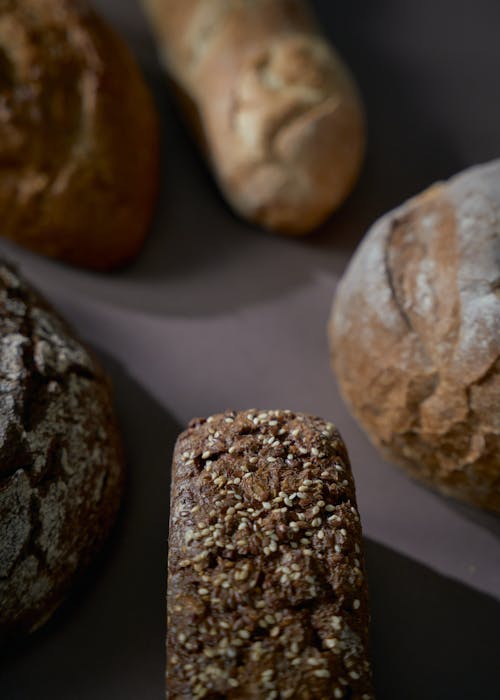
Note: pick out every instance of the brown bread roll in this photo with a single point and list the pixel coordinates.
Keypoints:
(78, 135)
(273, 104)
(415, 336)
(267, 593)
(60, 457)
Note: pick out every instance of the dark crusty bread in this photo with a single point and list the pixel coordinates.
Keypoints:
(60, 457)
(415, 336)
(78, 135)
(267, 594)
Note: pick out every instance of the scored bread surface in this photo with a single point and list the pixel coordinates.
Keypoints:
(266, 591)
(415, 335)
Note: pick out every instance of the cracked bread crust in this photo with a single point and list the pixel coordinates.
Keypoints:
(60, 457)
(267, 593)
(415, 336)
(274, 105)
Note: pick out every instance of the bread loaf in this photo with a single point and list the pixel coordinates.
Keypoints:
(60, 457)
(266, 589)
(415, 336)
(78, 135)
(273, 104)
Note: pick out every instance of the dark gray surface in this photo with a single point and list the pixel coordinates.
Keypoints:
(217, 314)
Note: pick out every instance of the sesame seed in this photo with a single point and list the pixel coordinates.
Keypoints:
(205, 454)
(330, 508)
(337, 693)
(322, 673)
(244, 634)
(330, 643)
(266, 505)
(356, 604)
(354, 675)
(203, 591)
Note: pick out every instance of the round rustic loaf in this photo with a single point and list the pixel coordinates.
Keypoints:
(78, 135)
(415, 336)
(60, 457)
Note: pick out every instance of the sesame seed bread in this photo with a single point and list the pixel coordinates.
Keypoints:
(78, 135)
(267, 594)
(274, 106)
(415, 336)
(60, 457)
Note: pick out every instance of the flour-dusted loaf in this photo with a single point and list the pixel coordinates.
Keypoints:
(78, 135)
(273, 104)
(415, 336)
(60, 457)
(267, 593)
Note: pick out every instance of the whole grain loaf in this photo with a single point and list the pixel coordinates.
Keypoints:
(267, 593)
(60, 457)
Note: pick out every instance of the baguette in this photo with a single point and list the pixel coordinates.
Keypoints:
(267, 592)
(275, 108)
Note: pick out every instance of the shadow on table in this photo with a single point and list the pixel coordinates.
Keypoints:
(408, 149)
(485, 519)
(107, 641)
(432, 637)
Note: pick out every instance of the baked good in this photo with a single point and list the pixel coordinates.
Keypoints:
(415, 336)
(266, 583)
(274, 106)
(60, 457)
(78, 135)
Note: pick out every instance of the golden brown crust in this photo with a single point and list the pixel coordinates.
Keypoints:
(78, 135)
(415, 336)
(281, 118)
(267, 592)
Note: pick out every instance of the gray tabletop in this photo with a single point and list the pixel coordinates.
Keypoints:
(216, 314)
